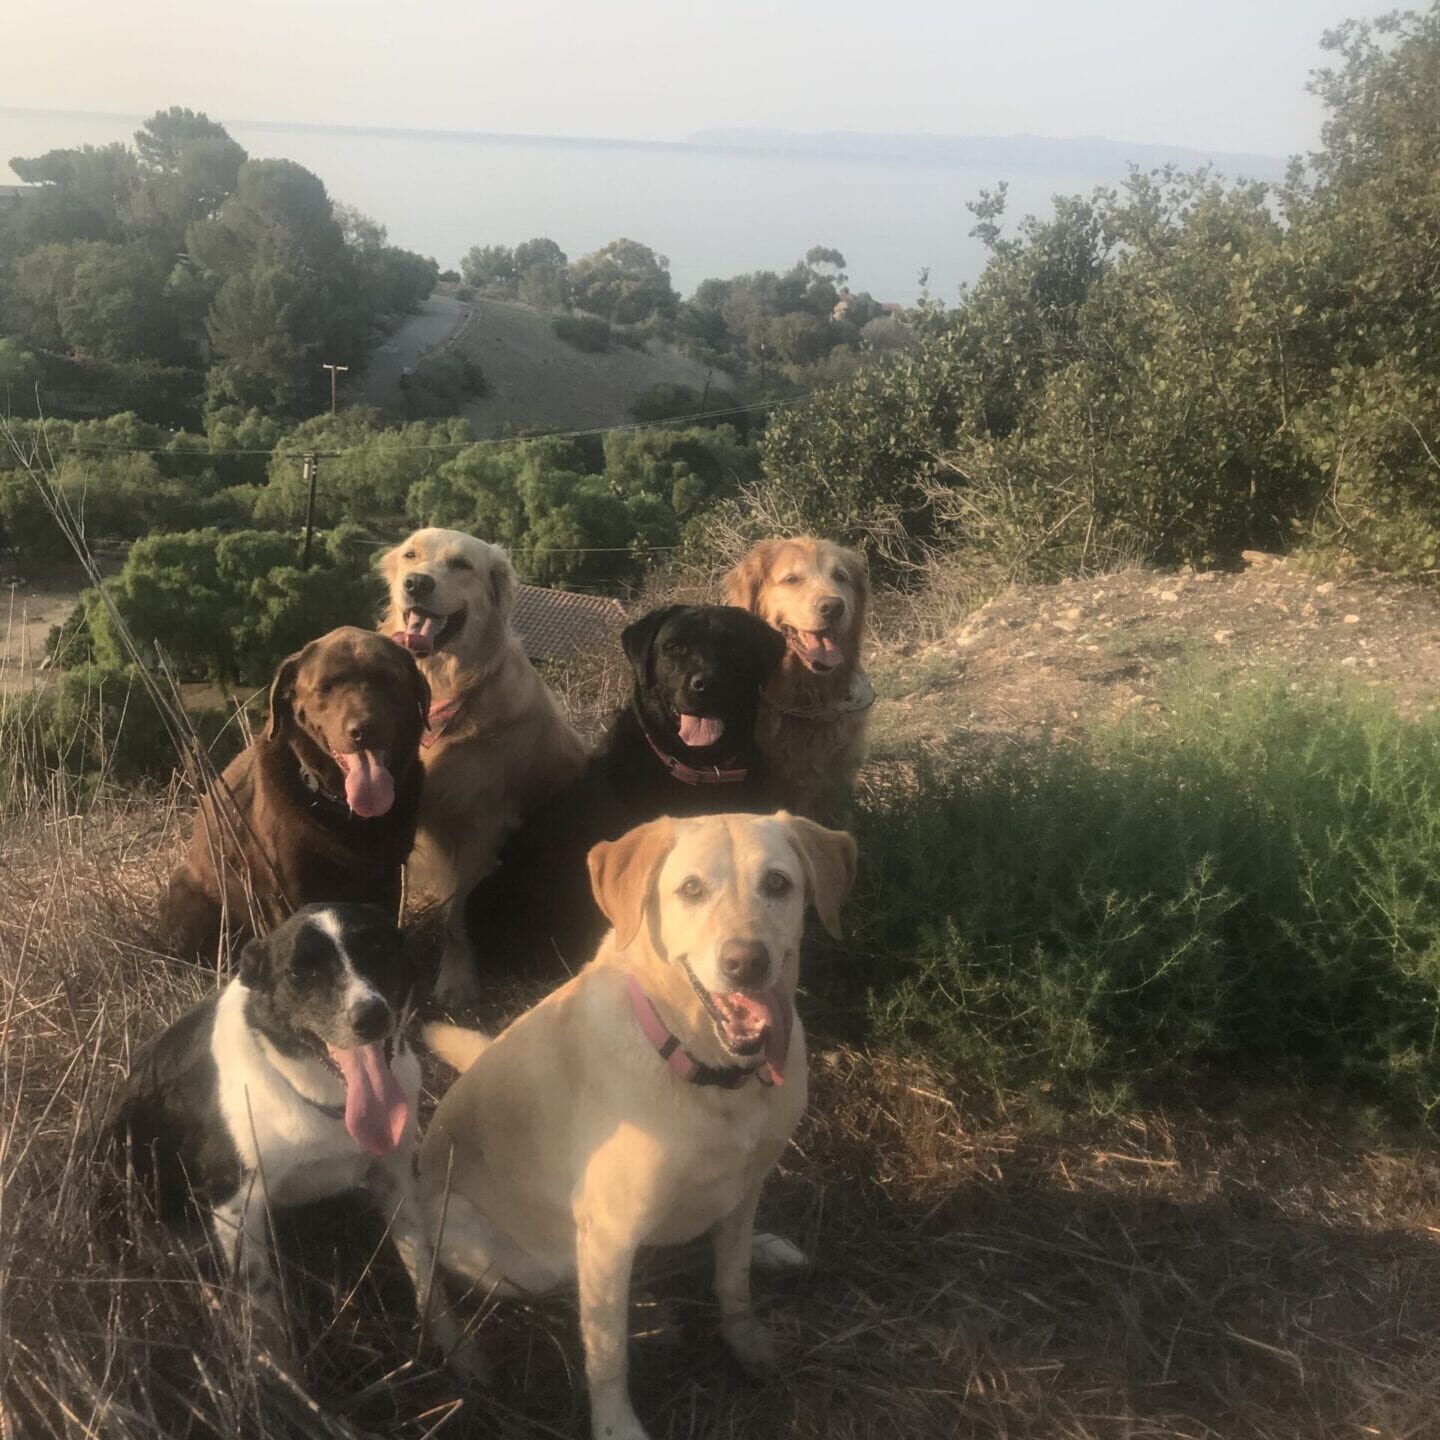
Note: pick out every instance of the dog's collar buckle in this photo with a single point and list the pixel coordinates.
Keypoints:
(689, 775)
(436, 721)
(680, 1060)
(324, 800)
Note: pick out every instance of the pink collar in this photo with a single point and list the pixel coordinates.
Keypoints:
(681, 771)
(436, 721)
(771, 1071)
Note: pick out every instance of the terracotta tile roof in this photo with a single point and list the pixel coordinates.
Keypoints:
(556, 624)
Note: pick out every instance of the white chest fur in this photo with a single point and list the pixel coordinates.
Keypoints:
(286, 1117)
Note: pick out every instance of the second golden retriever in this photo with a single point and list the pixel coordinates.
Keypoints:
(497, 745)
(816, 711)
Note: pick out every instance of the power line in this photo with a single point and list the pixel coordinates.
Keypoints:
(668, 422)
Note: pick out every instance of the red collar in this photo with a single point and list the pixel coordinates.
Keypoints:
(769, 1072)
(436, 721)
(681, 771)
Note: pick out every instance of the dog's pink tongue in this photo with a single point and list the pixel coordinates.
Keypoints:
(768, 1012)
(369, 786)
(376, 1110)
(419, 633)
(820, 648)
(698, 730)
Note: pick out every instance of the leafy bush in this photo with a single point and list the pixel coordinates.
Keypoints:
(584, 332)
(1173, 370)
(1251, 892)
(230, 607)
(441, 384)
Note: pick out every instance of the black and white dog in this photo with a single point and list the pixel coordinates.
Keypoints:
(292, 1083)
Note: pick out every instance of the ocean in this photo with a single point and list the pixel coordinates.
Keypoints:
(713, 209)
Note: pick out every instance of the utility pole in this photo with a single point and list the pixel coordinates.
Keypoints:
(312, 467)
(334, 369)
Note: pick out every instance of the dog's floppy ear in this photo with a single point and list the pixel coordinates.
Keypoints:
(859, 570)
(503, 582)
(282, 693)
(252, 962)
(744, 583)
(622, 871)
(829, 860)
(639, 635)
(769, 646)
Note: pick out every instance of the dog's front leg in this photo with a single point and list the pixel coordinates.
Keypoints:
(604, 1257)
(393, 1184)
(749, 1340)
(239, 1228)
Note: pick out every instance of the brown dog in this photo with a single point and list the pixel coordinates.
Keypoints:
(322, 806)
(816, 709)
(497, 746)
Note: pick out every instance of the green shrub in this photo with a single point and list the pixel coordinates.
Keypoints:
(97, 727)
(1252, 892)
(584, 332)
(231, 606)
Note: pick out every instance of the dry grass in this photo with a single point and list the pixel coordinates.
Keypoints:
(1172, 1276)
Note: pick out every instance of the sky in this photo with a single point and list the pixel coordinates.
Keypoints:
(1223, 74)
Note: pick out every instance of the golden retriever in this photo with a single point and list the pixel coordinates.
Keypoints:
(646, 1101)
(497, 745)
(817, 706)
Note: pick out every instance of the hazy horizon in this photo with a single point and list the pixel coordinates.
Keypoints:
(1228, 77)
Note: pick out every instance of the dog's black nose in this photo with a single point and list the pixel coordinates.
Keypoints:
(370, 1019)
(418, 584)
(699, 682)
(832, 607)
(357, 730)
(744, 962)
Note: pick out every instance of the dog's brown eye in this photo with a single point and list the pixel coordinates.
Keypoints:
(790, 580)
(776, 882)
(408, 555)
(840, 578)
(692, 888)
(457, 562)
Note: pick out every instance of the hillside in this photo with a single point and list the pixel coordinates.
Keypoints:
(1061, 659)
(539, 382)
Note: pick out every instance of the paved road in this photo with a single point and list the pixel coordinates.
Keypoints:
(435, 321)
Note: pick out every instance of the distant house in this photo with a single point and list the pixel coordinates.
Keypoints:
(842, 307)
(560, 624)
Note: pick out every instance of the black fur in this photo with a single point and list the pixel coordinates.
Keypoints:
(165, 1121)
(535, 912)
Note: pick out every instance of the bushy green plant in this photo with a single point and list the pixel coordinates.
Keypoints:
(1251, 891)
(231, 606)
(585, 332)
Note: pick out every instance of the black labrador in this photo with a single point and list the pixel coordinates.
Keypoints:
(684, 745)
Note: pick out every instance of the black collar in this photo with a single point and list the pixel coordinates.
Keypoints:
(321, 799)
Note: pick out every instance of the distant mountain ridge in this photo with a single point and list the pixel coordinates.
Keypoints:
(1005, 154)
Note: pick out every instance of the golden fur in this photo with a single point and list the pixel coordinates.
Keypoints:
(506, 749)
(567, 1143)
(813, 753)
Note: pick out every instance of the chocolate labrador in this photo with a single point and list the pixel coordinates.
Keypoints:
(321, 807)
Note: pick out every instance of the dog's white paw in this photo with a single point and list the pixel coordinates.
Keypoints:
(617, 1422)
(752, 1343)
(468, 1363)
(458, 985)
(774, 1252)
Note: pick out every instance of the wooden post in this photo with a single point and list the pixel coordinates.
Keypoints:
(312, 466)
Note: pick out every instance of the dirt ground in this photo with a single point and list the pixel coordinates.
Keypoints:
(1058, 658)
(28, 610)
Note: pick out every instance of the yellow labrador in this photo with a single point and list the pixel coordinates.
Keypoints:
(497, 745)
(644, 1102)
